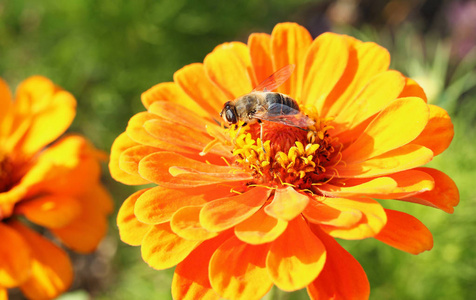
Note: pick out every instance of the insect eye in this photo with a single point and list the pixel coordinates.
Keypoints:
(230, 116)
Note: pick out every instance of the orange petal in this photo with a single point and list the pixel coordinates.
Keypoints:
(296, 257)
(170, 91)
(260, 51)
(402, 184)
(438, 133)
(396, 125)
(194, 81)
(158, 204)
(175, 112)
(444, 195)
(260, 228)
(238, 270)
(372, 221)
(129, 159)
(342, 277)
(325, 63)
(122, 143)
(287, 204)
(289, 45)
(131, 230)
(224, 213)
(174, 170)
(401, 159)
(3, 294)
(405, 233)
(365, 61)
(15, 257)
(190, 280)
(85, 232)
(183, 138)
(71, 159)
(163, 249)
(375, 96)
(52, 111)
(136, 131)
(228, 67)
(185, 223)
(412, 89)
(352, 186)
(50, 211)
(330, 213)
(51, 272)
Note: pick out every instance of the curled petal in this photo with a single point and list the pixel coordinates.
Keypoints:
(372, 221)
(238, 270)
(224, 213)
(444, 195)
(131, 230)
(163, 249)
(287, 204)
(342, 277)
(392, 186)
(295, 258)
(405, 233)
(260, 228)
(412, 89)
(438, 133)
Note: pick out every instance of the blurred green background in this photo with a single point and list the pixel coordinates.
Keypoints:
(108, 52)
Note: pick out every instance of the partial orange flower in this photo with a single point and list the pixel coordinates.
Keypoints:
(236, 215)
(55, 187)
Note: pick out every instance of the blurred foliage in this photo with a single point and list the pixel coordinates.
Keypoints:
(108, 52)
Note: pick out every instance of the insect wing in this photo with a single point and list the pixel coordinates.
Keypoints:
(283, 114)
(275, 80)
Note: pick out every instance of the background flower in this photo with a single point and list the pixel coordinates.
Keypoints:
(53, 187)
(372, 129)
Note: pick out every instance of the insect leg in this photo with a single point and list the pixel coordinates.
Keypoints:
(261, 134)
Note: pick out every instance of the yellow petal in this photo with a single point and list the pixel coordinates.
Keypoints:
(260, 228)
(238, 270)
(396, 125)
(163, 249)
(287, 204)
(295, 258)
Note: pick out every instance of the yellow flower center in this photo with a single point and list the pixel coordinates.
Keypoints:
(300, 157)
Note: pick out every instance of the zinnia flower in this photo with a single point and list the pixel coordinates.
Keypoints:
(236, 215)
(54, 187)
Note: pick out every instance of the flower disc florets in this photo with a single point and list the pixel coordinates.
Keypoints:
(299, 157)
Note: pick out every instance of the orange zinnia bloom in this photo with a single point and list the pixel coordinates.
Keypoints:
(238, 216)
(56, 187)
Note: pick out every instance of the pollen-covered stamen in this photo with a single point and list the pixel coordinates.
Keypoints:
(289, 155)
